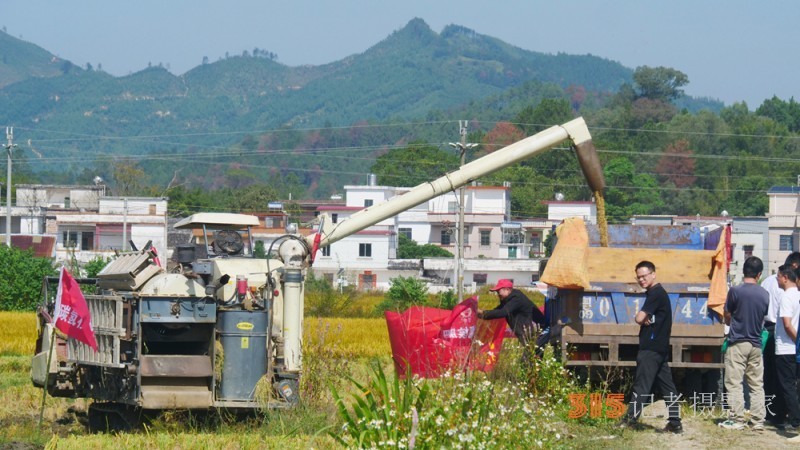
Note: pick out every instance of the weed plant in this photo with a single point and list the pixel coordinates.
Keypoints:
(519, 406)
(325, 364)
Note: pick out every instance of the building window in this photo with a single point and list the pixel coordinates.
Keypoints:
(748, 251)
(534, 277)
(326, 250)
(452, 207)
(512, 236)
(404, 232)
(486, 237)
(512, 252)
(87, 240)
(786, 243)
(479, 278)
(367, 280)
(365, 250)
(152, 209)
(70, 239)
(367, 203)
(334, 217)
(445, 239)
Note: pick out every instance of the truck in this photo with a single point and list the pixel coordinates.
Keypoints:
(224, 326)
(596, 325)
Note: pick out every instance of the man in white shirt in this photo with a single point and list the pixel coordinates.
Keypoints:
(785, 344)
(770, 283)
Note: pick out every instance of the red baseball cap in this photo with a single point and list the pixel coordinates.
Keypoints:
(504, 283)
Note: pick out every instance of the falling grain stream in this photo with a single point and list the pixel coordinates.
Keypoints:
(602, 224)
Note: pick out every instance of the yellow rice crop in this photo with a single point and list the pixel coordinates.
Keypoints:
(357, 337)
(17, 333)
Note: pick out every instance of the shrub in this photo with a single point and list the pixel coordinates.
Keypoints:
(21, 275)
(409, 249)
(448, 299)
(403, 293)
(94, 266)
(323, 300)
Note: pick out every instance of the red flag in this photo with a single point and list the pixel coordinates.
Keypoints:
(72, 314)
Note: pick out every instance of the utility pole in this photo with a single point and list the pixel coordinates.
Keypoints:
(9, 147)
(459, 259)
(125, 225)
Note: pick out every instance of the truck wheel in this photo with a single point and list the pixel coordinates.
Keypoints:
(113, 417)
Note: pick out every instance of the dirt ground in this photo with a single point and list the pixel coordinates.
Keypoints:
(700, 432)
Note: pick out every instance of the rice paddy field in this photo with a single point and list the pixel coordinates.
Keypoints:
(505, 408)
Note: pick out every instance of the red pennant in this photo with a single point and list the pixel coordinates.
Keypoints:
(72, 314)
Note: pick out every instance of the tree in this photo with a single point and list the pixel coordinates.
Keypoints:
(787, 113)
(21, 275)
(628, 192)
(677, 164)
(250, 199)
(659, 83)
(414, 164)
(128, 176)
(503, 134)
(549, 112)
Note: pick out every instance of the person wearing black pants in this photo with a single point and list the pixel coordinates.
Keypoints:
(777, 405)
(785, 345)
(777, 409)
(652, 368)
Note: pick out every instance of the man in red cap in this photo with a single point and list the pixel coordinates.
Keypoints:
(520, 313)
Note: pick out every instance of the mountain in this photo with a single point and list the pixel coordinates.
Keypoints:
(405, 76)
(241, 116)
(20, 60)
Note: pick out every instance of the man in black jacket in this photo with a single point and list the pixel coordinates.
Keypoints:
(519, 311)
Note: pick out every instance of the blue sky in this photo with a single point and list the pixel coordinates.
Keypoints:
(732, 50)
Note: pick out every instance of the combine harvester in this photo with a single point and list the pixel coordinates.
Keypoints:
(225, 324)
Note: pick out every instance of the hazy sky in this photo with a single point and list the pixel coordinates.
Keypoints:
(732, 50)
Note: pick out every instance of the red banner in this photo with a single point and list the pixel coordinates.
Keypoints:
(72, 314)
(431, 340)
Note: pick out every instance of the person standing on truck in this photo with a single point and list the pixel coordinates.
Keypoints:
(777, 403)
(745, 309)
(785, 345)
(652, 369)
(522, 315)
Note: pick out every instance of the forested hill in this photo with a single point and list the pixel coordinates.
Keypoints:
(410, 73)
(20, 60)
(234, 134)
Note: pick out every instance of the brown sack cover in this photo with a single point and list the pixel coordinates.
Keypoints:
(718, 292)
(567, 266)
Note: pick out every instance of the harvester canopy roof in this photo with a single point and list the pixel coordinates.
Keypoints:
(217, 220)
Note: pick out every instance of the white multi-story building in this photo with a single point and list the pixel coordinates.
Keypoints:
(784, 224)
(749, 237)
(86, 223)
(495, 246)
